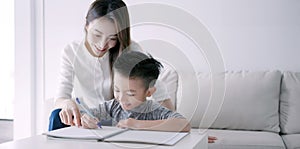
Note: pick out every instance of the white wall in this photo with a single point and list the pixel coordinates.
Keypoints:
(64, 23)
(251, 34)
(7, 59)
(28, 102)
(23, 70)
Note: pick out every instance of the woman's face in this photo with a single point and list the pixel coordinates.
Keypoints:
(101, 35)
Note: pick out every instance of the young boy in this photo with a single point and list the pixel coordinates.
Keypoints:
(134, 78)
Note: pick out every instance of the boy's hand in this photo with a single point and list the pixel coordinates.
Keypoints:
(89, 122)
(128, 123)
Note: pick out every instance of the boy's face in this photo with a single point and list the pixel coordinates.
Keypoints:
(130, 92)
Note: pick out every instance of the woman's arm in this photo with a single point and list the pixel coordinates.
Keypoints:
(172, 124)
(61, 102)
(168, 104)
(166, 87)
(69, 114)
(66, 76)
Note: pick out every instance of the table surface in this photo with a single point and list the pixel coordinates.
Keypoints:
(195, 139)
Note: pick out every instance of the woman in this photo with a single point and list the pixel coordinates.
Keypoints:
(86, 68)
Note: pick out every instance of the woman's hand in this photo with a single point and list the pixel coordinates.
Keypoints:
(69, 113)
(128, 123)
(89, 122)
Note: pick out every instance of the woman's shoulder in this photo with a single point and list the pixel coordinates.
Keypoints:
(134, 46)
(72, 48)
(73, 45)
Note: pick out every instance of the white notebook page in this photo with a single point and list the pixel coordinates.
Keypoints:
(81, 133)
(153, 137)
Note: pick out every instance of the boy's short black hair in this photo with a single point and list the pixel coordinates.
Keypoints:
(134, 64)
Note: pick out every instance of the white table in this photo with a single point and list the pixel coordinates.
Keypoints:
(193, 140)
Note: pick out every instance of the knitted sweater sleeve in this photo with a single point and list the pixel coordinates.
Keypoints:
(66, 74)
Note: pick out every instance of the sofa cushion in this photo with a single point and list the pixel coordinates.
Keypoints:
(251, 101)
(290, 103)
(291, 141)
(230, 139)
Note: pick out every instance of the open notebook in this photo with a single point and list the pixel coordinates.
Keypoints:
(114, 134)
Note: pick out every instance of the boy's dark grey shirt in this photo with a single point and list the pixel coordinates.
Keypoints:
(148, 110)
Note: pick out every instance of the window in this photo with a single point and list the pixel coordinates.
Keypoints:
(6, 59)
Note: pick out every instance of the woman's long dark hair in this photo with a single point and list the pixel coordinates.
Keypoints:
(116, 11)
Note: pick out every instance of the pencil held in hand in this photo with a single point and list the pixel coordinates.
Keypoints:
(87, 121)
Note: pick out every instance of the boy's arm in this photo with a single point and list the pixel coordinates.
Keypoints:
(172, 124)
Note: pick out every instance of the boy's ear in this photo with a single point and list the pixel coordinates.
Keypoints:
(150, 91)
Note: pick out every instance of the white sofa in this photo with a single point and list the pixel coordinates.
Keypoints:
(259, 110)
